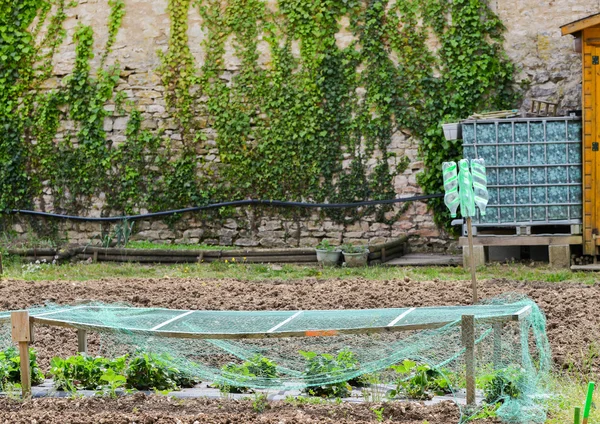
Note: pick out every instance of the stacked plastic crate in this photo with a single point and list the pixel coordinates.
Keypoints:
(534, 169)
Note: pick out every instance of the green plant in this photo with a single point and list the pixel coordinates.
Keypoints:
(114, 381)
(151, 371)
(330, 113)
(419, 381)
(486, 411)
(350, 248)
(372, 390)
(84, 372)
(257, 367)
(378, 413)
(504, 384)
(260, 402)
(10, 371)
(329, 367)
(325, 245)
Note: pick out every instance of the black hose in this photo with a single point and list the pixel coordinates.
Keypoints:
(227, 204)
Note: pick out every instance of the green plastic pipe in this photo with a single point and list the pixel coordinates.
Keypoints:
(577, 419)
(588, 402)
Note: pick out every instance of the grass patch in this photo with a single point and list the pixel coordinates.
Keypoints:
(170, 246)
(569, 392)
(14, 268)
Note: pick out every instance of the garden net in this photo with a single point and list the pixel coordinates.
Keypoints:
(309, 350)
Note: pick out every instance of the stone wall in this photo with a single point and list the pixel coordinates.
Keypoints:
(546, 60)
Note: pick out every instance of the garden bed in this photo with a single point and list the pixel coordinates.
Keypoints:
(379, 253)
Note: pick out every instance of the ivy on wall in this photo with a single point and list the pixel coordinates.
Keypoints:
(305, 117)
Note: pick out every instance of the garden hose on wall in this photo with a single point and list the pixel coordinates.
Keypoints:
(235, 203)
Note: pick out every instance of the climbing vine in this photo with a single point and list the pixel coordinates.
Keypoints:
(302, 114)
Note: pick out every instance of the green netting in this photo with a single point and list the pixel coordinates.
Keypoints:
(510, 342)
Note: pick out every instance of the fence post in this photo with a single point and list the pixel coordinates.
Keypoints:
(21, 333)
(468, 340)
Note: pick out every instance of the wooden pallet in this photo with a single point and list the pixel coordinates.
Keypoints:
(526, 230)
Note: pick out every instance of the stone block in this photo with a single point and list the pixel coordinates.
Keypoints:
(246, 242)
(195, 233)
(272, 242)
(559, 256)
(120, 124)
(479, 257)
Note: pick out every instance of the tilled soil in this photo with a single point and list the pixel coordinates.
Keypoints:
(572, 324)
(142, 409)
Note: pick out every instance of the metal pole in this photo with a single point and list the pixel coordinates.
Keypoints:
(472, 259)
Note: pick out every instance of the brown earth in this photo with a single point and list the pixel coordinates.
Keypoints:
(573, 331)
(143, 409)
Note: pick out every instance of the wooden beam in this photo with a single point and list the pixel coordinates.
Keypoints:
(21, 333)
(497, 345)
(81, 340)
(263, 335)
(522, 240)
(580, 25)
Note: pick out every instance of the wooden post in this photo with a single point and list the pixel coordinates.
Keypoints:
(472, 259)
(468, 340)
(1, 267)
(21, 333)
(81, 340)
(497, 326)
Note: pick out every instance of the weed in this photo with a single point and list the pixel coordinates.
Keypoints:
(486, 411)
(372, 390)
(378, 413)
(260, 402)
(304, 400)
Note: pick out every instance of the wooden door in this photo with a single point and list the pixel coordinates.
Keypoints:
(591, 140)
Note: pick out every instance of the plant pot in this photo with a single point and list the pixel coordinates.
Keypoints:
(452, 131)
(354, 260)
(328, 257)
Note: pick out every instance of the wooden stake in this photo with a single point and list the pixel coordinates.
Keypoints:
(21, 333)
(81, 341)
(468, 340)
(497, 326)
(472, 259)
(577, 417)
(588, 402)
